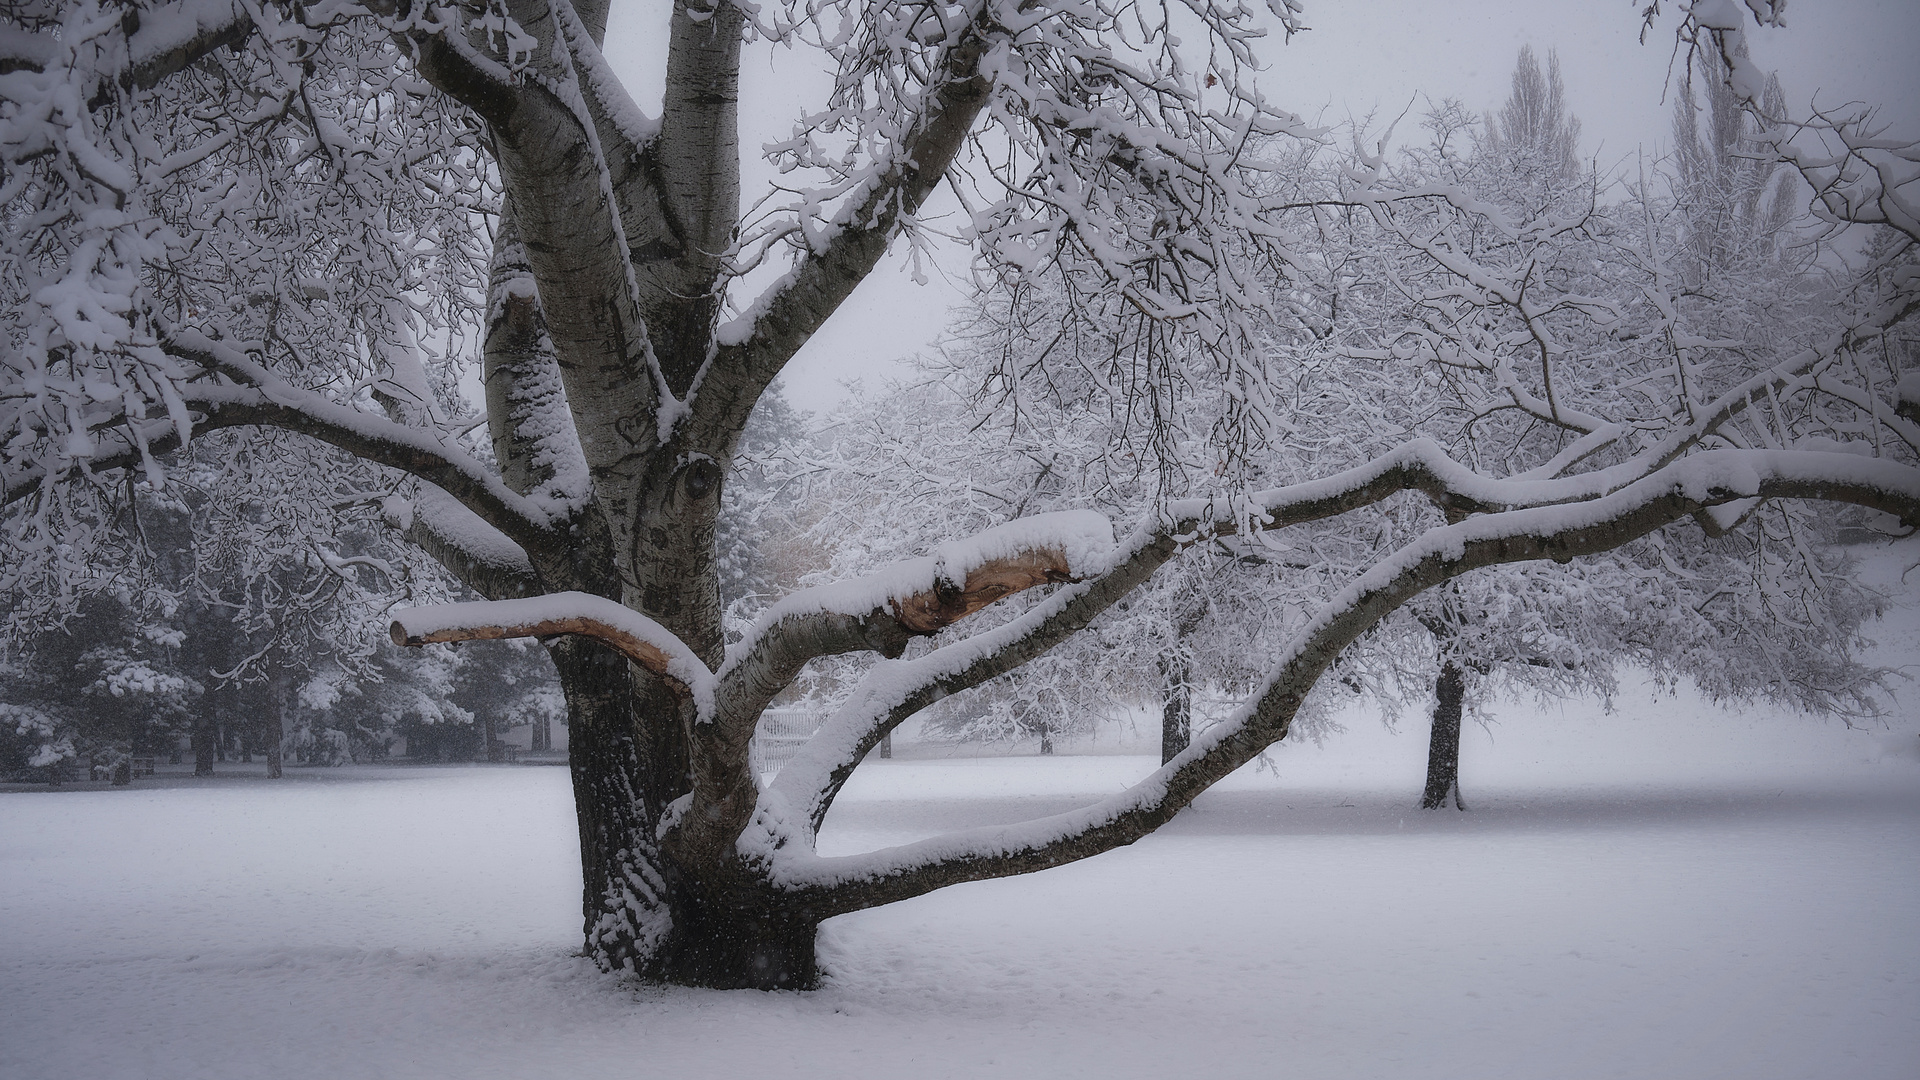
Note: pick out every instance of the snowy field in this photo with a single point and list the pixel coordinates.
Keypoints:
(1671, 890)
(1744, 905)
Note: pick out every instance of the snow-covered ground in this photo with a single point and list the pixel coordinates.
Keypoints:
(1671, 890)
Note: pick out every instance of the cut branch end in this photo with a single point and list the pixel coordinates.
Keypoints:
(638, 650)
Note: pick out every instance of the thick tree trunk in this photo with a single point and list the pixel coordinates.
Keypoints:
(642, 912)
(623, 889)
(682, 912)
(1176, 712)
(664, 897)
(1443, 750)
(748, 943)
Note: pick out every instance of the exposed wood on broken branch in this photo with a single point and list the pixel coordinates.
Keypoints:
(945, 604)
(642, 652)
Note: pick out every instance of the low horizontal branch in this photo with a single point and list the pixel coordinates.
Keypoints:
(1559, 533)
(633, 635)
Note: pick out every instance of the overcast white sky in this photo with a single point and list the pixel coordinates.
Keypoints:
(1359, 57)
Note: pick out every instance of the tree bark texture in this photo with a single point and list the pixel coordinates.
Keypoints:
(279, 691)
(1443, 749)
(1176, 710)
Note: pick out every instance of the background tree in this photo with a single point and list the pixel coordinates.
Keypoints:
(1534, 140)
(210, 612)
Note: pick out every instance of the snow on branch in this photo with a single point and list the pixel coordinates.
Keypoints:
(1560, 533)
(547, 119)
(883, 610)
(961, 576)
(831, 257)
(1418, 465)
(481, 556)
(807, 786)
(151, 42)
(1858, 174)
(628, 632)
(969, 574)
(265, 398)
(896, 690)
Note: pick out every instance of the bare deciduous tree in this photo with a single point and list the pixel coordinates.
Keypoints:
(227, 213)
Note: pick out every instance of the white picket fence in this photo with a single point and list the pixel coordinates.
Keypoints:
(779, 737)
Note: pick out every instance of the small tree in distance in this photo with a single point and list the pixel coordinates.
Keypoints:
(1535, 138)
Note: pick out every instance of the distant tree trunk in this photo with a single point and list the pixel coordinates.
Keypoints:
(1443, 751)
(496, 750)
(541, 737)
(1176, 712)
(1176, 679)
(886, 745)
(120, 773)
(279, 687)
(206, 742)
(1046, 737)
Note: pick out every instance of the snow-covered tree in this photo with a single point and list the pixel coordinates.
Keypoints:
(1534, 140)
(1560, 332)
(212, 610)
(103, 686)
(308, 217)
